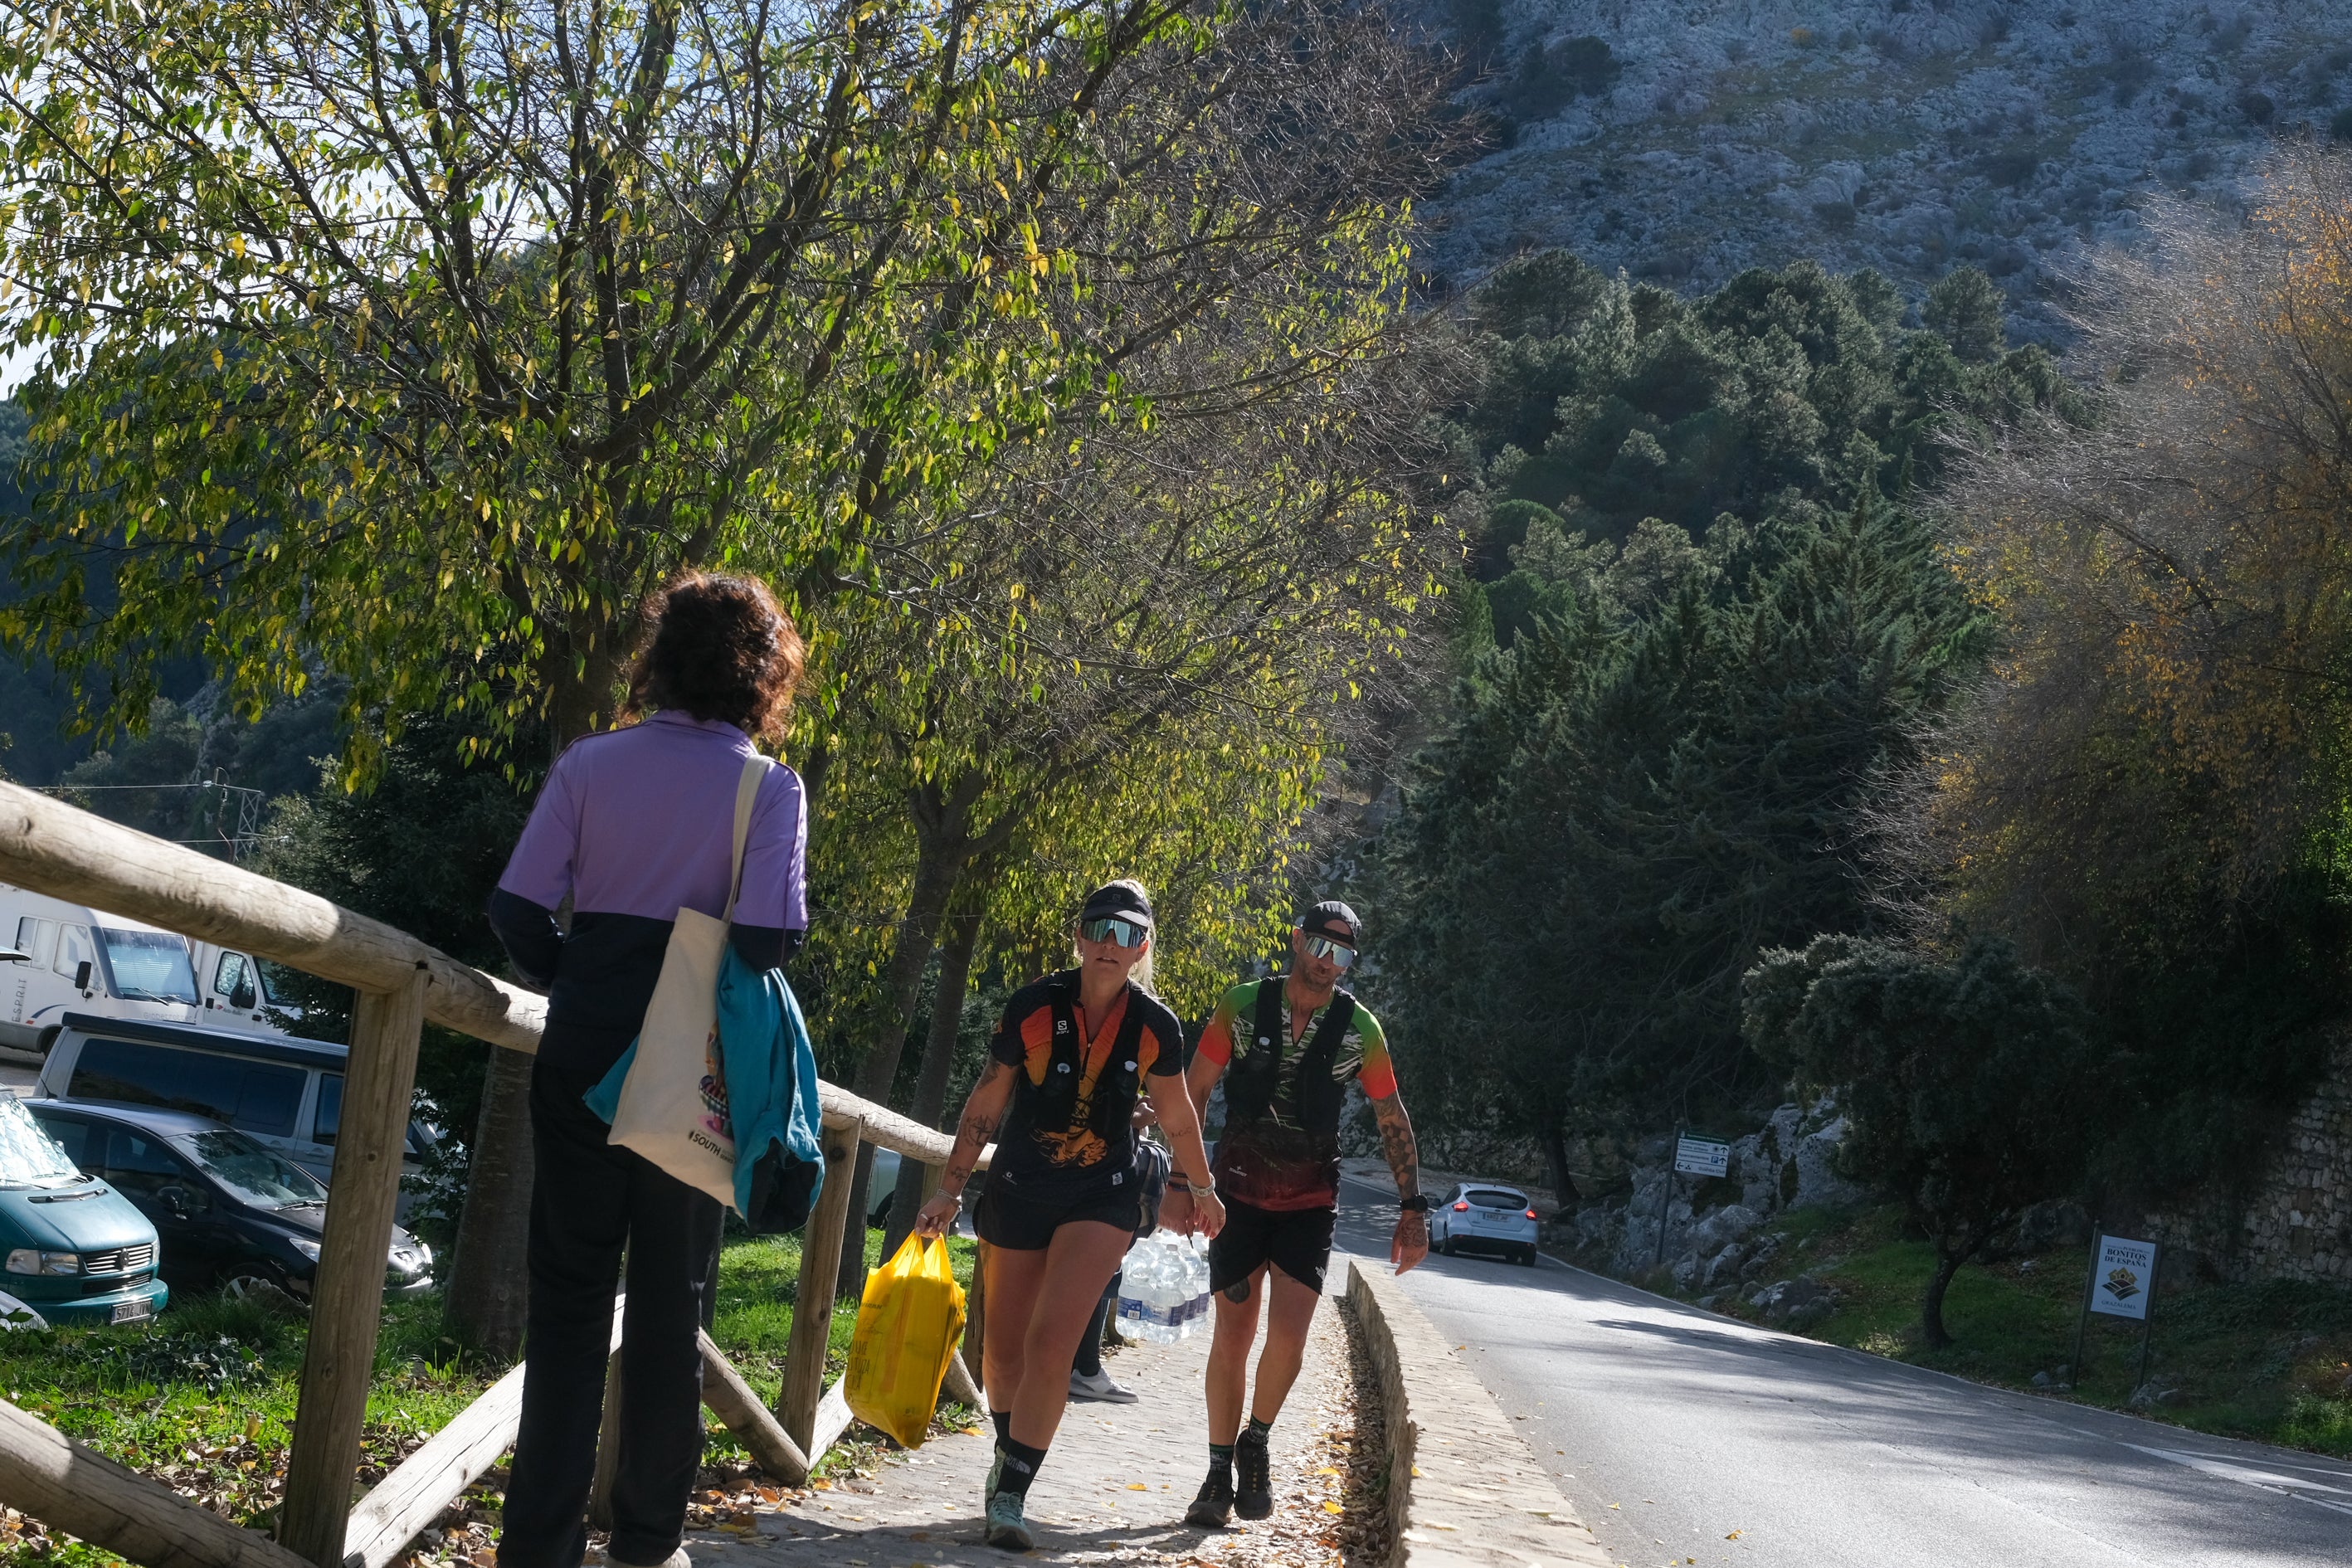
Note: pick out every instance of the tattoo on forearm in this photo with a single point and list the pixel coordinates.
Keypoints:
(976, 1126)
(1396, 1145)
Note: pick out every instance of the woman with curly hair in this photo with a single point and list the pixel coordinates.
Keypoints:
(632, 825)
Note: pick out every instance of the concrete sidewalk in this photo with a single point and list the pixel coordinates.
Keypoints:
(1113, 1490)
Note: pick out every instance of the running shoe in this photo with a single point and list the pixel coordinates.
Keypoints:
(1254, 1494)
(995, 1479)
(1215, 1506)
(1006, 1528)
(1098, 1386)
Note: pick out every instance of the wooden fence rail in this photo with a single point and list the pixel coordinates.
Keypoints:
(54, 848)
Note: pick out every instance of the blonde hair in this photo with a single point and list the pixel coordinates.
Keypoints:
(1141, 974)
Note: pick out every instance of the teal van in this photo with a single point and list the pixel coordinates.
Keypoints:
(72, 1249)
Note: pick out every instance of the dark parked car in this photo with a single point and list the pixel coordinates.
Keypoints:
(232, 1214)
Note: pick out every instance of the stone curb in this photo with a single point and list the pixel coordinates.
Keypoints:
(1465, 1490)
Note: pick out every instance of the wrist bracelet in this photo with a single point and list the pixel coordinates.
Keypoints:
(1417, 1204)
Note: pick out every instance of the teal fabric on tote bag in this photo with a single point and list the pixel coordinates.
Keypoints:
(772, 1082)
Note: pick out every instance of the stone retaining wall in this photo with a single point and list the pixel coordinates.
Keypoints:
(1464, 1490)
(2299, 1226)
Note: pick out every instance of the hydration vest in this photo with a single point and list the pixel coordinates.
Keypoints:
(1052, 1106)
(1253, 1086)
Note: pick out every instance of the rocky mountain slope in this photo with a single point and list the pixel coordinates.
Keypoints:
(1684, 140)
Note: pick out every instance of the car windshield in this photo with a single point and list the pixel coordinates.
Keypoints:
(274, 980)
(150, 965)
(1493, 1199)
(251, 1171)
(29, 1157)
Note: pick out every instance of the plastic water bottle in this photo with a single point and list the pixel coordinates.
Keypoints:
(1164, 1296)
(1147, 1294)
(1192, 1266)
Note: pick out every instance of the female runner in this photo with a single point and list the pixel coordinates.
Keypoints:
(1068, 1060)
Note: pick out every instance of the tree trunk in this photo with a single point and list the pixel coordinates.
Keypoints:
(938, 863)
(487, 1293)
(1931, 1311)
(960, 935)
(1563, 1185)
(483, 1304)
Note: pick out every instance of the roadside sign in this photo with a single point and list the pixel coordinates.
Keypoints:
(1697, 1154)
(2123, 1277)
(2122, 1285)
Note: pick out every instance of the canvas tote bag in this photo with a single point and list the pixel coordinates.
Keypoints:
(673, 1105)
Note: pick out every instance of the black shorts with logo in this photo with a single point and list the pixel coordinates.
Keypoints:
(1296, 1241)
(1023, 1217)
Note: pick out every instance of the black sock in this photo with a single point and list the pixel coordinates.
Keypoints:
(1020, 1467)
(1221, 1459)
(1258, 1429)
(1004, 1419)
(1088, 1361)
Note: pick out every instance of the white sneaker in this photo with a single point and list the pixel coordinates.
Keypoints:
(1100, 1387)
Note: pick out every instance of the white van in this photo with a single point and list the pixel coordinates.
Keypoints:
(108, 965)
(287, 1093)
(240, 991)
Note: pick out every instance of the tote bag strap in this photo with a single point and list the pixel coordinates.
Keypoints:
(747, 790)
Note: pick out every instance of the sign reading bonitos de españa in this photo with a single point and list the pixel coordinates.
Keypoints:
(2123, 1276)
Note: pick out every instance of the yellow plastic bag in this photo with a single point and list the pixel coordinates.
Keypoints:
(907, 1326)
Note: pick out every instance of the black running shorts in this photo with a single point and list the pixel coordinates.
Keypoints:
(1023, 1219)
(1296, 1241)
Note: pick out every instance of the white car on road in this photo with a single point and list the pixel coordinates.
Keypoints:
(1480, 1217)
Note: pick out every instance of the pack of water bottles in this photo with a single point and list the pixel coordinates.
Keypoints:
(1163, 1292)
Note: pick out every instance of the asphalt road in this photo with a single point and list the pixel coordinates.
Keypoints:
(1682, 1436)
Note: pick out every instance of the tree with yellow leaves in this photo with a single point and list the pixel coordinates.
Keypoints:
(2149, 794)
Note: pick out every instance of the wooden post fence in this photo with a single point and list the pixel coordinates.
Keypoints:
(51, 847)
(829, 1228)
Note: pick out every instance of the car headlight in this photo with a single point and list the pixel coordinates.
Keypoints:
(308, 1249)
(25, 1260)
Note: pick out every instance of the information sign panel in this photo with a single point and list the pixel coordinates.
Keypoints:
(2123, 1277)
(1697, 1155)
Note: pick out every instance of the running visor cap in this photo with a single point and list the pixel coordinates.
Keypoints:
(1118, 901)
(1334, 919)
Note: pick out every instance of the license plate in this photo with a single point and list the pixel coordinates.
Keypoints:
(133, 1311)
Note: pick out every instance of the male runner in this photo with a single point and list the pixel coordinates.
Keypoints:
(1286, 1045)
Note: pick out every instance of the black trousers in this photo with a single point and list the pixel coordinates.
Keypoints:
(590, 1202)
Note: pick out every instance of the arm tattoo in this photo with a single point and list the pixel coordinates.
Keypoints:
(982, 1114)
(1396, 1143)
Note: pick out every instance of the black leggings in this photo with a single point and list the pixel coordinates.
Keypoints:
(590, 1201)
(1090, 1358)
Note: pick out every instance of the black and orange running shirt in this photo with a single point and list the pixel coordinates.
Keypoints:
(1073, 1092)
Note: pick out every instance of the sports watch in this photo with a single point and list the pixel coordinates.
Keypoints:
(1417, 1204)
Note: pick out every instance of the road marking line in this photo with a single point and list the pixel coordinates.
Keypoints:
(2245, 1476)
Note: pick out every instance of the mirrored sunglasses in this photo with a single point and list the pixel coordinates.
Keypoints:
(1121, 933)
(1338, 952)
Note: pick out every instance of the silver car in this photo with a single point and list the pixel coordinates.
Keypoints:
(1480, 1217)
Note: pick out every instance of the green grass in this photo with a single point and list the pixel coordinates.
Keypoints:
(204, 1396)
(2270, 1360)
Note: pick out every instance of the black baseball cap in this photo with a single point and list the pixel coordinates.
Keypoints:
(1122, 900)
(1334, 919)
